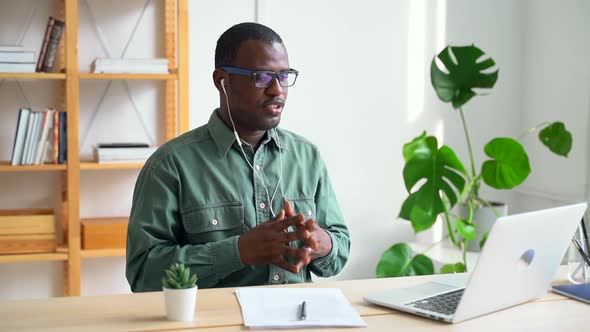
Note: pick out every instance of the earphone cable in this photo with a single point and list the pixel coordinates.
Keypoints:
(239, 141)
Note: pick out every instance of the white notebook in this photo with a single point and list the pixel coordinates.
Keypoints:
(280, 308)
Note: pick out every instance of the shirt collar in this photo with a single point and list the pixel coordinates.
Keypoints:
(224, 137)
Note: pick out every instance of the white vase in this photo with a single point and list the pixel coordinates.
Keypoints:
(180, 303)
(483, 219)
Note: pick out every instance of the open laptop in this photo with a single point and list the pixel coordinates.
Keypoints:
(520, 257)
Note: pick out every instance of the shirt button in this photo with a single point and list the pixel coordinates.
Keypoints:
(257, 167)
(262, 205)
(309, 213)
(276, 277)
(214, 222)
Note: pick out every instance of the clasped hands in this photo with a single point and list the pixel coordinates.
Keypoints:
(268, 243)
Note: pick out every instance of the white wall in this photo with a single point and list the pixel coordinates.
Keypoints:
(364, 76)
(556, 87)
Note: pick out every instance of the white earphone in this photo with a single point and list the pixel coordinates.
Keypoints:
(223, 86)
(239, 140)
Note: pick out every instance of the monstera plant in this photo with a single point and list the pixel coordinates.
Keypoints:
(437, 180)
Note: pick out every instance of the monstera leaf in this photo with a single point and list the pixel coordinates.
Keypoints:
(557, 138)
(399, 261)
(417, 145)
(442, 171)
(464, 74)
(509, 166)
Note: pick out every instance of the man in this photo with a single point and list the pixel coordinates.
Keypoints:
(208, 198)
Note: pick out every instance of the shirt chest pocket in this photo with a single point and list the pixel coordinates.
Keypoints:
(303, 205)
(213, 223)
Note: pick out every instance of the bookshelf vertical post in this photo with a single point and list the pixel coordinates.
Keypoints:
(183, 72)
(170, 44)
(72, 280)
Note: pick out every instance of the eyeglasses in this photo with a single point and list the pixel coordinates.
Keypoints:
(264, 78)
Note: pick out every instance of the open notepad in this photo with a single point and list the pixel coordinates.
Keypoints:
(278, 308)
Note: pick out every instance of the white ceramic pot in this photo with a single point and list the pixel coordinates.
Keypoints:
(180, 303)
(483, 219)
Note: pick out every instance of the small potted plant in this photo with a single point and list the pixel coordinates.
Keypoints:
(180, 292)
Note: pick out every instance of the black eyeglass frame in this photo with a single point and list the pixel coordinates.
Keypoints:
(254, 73)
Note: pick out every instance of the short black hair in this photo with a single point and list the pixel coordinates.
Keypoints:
(229, 42)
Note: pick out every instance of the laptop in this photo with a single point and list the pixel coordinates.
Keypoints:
(520, 258)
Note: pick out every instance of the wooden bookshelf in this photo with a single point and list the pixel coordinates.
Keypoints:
(69, 77)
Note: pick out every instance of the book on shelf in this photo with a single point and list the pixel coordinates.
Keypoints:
(53, 34)
(130, 66)
(123, 161)
(34, 122)
(125, 153)
(40, 137)
(55, 156)
(56, 33)
(27, 144)
(19, 136)
(14, 60)
(123, 145)
(11, 48)
(15, 67)
(63, 138)
(47, 126)
(17, 57)
(28, 158)
(44, 44)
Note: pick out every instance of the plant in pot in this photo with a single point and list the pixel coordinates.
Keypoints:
(436, 179)
(180, 292)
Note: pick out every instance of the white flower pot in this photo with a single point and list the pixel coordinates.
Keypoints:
(483, 219)
(180, 303)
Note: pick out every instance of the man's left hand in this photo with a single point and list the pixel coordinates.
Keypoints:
(319, 242)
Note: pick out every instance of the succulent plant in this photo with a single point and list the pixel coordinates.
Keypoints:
(179, 276)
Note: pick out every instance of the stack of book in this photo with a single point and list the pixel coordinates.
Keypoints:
(130, 66)
(123, 152)
(40, 137)
(53, 33)
(14, 59)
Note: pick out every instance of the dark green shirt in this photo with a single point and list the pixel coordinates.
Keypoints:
(197, 194)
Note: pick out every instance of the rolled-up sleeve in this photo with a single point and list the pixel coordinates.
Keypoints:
(155, 237)
(329, 217)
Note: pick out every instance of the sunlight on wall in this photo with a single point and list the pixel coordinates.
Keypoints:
(441, 24)
(438, 228)
(426, 20)
(416, 49)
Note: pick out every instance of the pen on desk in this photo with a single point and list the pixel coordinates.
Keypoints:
(581, 251)
(303, 313)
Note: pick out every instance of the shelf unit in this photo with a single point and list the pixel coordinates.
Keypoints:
(176, 122)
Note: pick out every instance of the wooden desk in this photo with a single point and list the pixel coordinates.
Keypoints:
(218, 311)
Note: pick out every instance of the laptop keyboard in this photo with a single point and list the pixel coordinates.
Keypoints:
(445, 304)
